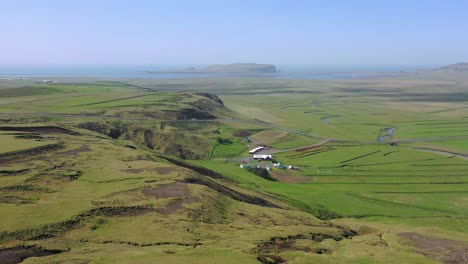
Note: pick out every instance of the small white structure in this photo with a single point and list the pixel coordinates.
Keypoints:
(262, 156)
(255, 150)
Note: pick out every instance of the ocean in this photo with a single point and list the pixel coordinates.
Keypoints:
(140, 71)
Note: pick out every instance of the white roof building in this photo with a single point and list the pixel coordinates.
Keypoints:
(262, 156)
(252, 151)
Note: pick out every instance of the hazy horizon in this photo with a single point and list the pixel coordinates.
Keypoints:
(343, 33)
(141, 70)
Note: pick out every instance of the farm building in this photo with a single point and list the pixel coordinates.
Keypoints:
(255, 150)
(262, 157)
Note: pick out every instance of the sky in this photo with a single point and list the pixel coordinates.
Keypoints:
(352, 32)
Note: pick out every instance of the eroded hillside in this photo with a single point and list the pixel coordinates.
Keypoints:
(79, 194)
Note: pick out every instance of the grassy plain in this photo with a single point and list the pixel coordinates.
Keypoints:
(138, 171)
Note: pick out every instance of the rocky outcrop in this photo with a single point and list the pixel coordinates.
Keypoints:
(187, 114)
(212, 97)
(175, 143)
(102, 128)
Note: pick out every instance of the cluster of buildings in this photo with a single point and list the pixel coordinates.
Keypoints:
(266, 161)
(259, 156)
(268, 166)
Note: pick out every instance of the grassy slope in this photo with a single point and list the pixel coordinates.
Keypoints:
(10, 143)
(223, 227)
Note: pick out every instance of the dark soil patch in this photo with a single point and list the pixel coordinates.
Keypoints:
(164, 170)
(81, 149)
(29, 136)
(174, 206)
(13, 155)
(270, 259)
(135, 171)
(230, 192)
(441, 249)
(13, 199)
(40, 129)
(194, 245)
(279, 244)
(276, 244)
(18, 254)
(321, 251)
(25, 187)
(14, 172)
(242, 133)
(177, 190)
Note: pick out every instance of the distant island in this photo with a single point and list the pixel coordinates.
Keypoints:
(458, 67)
(227, 68)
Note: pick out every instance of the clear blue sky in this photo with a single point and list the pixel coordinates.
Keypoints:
(201, 32)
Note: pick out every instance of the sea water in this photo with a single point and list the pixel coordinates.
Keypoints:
(141, 71)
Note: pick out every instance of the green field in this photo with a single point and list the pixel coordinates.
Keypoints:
(139, 171)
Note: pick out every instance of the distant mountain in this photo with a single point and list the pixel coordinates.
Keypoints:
(458, 67)
(228, 68)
